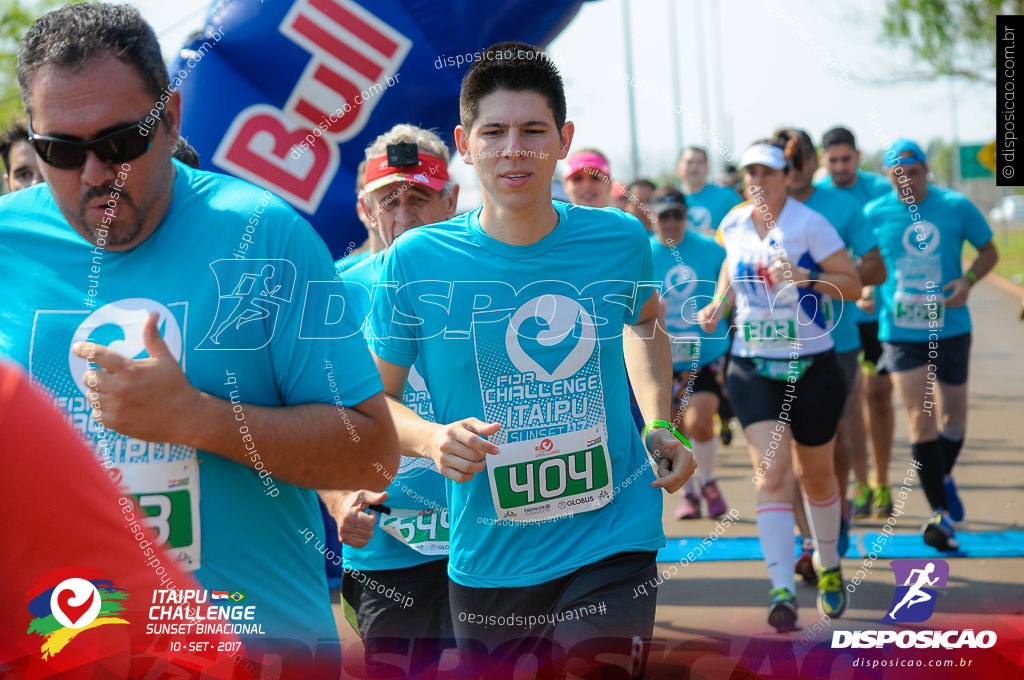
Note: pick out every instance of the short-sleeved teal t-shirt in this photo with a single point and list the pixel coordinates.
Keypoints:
(530, 337)
(921, 246)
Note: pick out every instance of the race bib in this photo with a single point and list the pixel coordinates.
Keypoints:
(552, 477)
(167, 494)
(540, 377)
(685, 350)
(767, 329)
(918, 310)
(425, 531)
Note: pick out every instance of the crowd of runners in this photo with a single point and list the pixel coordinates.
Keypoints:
(529, 380)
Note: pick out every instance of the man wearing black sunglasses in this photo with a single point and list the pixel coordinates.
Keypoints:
(120, 269)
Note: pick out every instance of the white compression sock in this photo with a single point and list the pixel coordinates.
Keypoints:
(823, 516)
(705, 453)
(775, 526)
(691, 486)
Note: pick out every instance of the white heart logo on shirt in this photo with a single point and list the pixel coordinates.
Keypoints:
(551, 336)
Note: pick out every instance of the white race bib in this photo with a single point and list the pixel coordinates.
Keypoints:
(167, 494)
(685, 350)
(918, 310)
(768, 329)
(425, 531)
(560, 475)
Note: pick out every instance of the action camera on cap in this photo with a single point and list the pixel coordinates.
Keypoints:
(403, 155)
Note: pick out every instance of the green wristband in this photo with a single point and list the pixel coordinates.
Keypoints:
(668, 426)
(973, 277)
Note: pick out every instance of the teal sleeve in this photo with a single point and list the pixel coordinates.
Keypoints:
(392, 320)
(976, 228)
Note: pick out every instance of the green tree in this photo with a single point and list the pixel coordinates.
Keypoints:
(949, 37)
(940, 161)
(15, 18)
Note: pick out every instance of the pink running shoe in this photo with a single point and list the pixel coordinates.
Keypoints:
(689, 506)
(716, 502)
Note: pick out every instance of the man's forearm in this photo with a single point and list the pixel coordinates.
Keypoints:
(986, 260)
(648, 358)
(310, 445)
(333, 498)
(871, 269)
(413, 431)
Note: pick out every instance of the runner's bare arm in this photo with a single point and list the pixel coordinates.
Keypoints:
(151, 399)
(457, 449)
(871, 269)
(982, 265)
(648, 357)
(725, 297)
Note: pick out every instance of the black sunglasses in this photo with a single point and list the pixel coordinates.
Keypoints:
(119, 146)
(672, 214)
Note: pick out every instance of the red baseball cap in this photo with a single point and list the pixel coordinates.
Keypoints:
(431, 172)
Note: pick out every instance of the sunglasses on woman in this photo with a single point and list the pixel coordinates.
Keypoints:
(119, 146)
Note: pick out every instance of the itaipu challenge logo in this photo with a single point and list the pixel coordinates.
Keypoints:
(68, 601)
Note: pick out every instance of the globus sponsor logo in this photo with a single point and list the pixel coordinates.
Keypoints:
(575, 501)
(916, 639)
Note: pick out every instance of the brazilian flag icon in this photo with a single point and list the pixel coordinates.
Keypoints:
(237, 595)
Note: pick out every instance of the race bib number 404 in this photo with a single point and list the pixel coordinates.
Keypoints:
(530, 485)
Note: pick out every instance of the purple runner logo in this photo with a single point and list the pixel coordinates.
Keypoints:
(914, 600)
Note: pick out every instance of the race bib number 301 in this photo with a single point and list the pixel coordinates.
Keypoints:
(768, 329)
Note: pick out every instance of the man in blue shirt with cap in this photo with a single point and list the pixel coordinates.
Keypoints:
(924, 324)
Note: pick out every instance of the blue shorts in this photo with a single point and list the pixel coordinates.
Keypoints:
(946, 358)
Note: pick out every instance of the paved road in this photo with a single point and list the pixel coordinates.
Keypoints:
(711, 614)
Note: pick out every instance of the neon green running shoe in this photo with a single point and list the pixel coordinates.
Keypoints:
(831, 593)
(861, 500)
(881, 506)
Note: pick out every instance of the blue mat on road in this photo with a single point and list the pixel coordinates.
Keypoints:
(976, 544)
